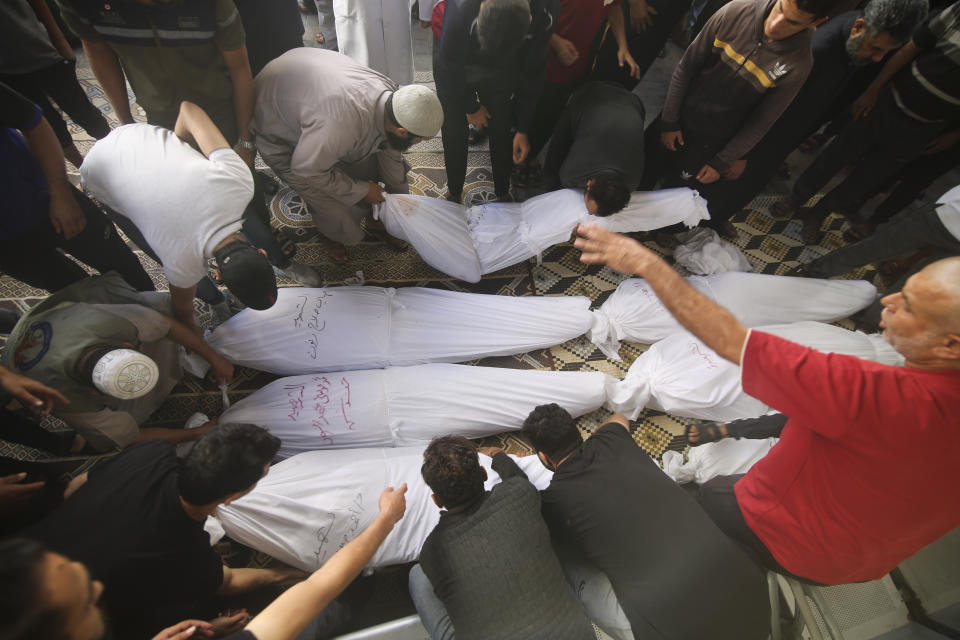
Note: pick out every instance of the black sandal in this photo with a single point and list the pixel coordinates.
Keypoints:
(858, 232)
(707, 432)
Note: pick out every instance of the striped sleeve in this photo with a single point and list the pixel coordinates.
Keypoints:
(230, 35)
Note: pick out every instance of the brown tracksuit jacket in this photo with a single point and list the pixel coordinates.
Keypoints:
(731, 85)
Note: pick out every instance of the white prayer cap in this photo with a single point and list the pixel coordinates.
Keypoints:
(417, 109)
(125, 374)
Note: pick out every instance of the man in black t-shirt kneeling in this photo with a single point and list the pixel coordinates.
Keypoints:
(136, 521)
(675, 574)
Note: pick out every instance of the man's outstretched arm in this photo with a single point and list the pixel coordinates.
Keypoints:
(701, 316)
(286, 616)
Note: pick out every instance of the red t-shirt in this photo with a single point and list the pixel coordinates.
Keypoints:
(579, 22)
(865, 474)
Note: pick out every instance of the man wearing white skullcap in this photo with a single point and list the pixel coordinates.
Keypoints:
(112, 353)
(333, 129)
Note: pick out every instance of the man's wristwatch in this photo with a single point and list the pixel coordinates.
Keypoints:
(247, 144)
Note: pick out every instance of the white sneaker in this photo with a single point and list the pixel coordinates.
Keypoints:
(304, 274)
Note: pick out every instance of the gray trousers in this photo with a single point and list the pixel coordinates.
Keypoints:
(590, 585)
(905, 233)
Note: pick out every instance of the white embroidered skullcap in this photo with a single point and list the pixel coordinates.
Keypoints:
(125, 374)
(417, 109)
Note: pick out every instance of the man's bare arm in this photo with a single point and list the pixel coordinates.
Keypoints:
(75, 484)
(106, 67)
(195, 126)
(181, 303)
(237, 581)
(238, 65)
(286, 616)
(65, 213)
(701, 316)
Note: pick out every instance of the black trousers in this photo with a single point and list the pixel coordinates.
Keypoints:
(34, 258)
(553, 99)
(908, 232)
(878, 146)
(59, 83)
(644, 46)
(498, 99)
(720, 502)
(676, 168)
(913, 180)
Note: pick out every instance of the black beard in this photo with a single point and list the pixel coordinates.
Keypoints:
(399, 143)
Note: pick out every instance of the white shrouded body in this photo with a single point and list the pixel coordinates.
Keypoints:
(469, 242)
(682, 376)
(344, 328)
(406, 406)
(634, 312)
(309, 506)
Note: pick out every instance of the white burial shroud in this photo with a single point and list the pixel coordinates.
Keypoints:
(407, 406)
(467, 242)
(344, 328)
(682, 376)
(634, 312)
(309, 506)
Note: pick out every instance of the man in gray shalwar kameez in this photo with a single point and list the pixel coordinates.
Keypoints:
(332, 129)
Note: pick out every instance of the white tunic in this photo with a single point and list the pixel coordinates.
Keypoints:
(376, 33)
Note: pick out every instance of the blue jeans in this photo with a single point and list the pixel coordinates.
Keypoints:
(432, 612)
